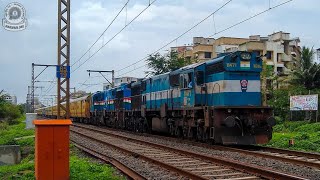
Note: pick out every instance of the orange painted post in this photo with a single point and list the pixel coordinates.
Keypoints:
(52, 149)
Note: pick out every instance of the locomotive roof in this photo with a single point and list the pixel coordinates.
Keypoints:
(215, 60)
(191, 66)
(71, 100)
(160, 75)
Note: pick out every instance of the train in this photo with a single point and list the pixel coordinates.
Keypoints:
(216, 101)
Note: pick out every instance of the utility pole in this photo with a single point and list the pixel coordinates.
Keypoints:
(112, 72)
(63, 68)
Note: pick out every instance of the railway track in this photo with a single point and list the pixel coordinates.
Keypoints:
(295, 157)
(123, 168)
(186, 163)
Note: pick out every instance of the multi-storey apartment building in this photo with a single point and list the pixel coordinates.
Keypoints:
(203, 49)
(278, 49)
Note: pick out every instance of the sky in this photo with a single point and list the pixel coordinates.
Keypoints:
(163, 21)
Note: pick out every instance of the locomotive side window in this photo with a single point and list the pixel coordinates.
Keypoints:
(190, 81)
(181, 81)
(215, 68)
(143, 85)
(186, 80)
(200, 77)
(174, 80)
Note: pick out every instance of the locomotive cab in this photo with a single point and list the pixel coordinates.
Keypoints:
(234, 93)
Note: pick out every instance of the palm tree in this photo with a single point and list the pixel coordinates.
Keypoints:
(307, 72)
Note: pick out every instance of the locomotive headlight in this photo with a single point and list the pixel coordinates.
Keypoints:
(230, 121)
(245, 56)
(229, 110)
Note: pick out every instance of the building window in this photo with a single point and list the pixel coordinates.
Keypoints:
(269, 54)
(207, 54)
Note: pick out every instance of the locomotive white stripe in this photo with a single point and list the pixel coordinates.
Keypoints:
(232, 86)
(212, 88)
(163, 94)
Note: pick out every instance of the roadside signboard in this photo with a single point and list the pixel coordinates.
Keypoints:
(304, 103)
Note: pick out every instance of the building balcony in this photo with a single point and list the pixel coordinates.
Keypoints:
(279, 36)
(280, 64)
(286, 71)
(285, 58)
(252, 46)
(188, 54)
(275, 47)
(202, 48)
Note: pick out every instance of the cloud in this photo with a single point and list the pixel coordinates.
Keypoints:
(163, 21)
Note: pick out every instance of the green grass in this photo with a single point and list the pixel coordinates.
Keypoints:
(84, 168)
(306, 136)
(9, 132)
(80, 168)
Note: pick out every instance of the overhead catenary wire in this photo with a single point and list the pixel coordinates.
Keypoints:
(115, 35)
(251, 17)
(89, 49)
(232, 26)
(102, 34)
(175, 39)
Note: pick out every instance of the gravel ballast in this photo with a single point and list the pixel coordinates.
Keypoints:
(306, 172)
(172, 158)
(144, 168)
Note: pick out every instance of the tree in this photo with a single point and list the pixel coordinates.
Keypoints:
(161, 64)
(157, 63)
(2, 96)
(307, 72)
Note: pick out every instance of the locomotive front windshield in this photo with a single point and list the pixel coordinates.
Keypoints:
(242, 61)
(98, 99)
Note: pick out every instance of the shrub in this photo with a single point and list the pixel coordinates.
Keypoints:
(301, 136)
(313, 127)
(9, 112)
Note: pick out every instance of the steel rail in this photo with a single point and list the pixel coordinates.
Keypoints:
(154, 161)
(251, 150)
(291, 152)
(123, 168)
(251, 169)
(284, 158)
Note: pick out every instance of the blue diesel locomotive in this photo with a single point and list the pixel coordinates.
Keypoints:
(218, 100)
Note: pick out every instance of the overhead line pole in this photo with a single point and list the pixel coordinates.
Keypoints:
(63, 69)
(33, 78)
(112, 72)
